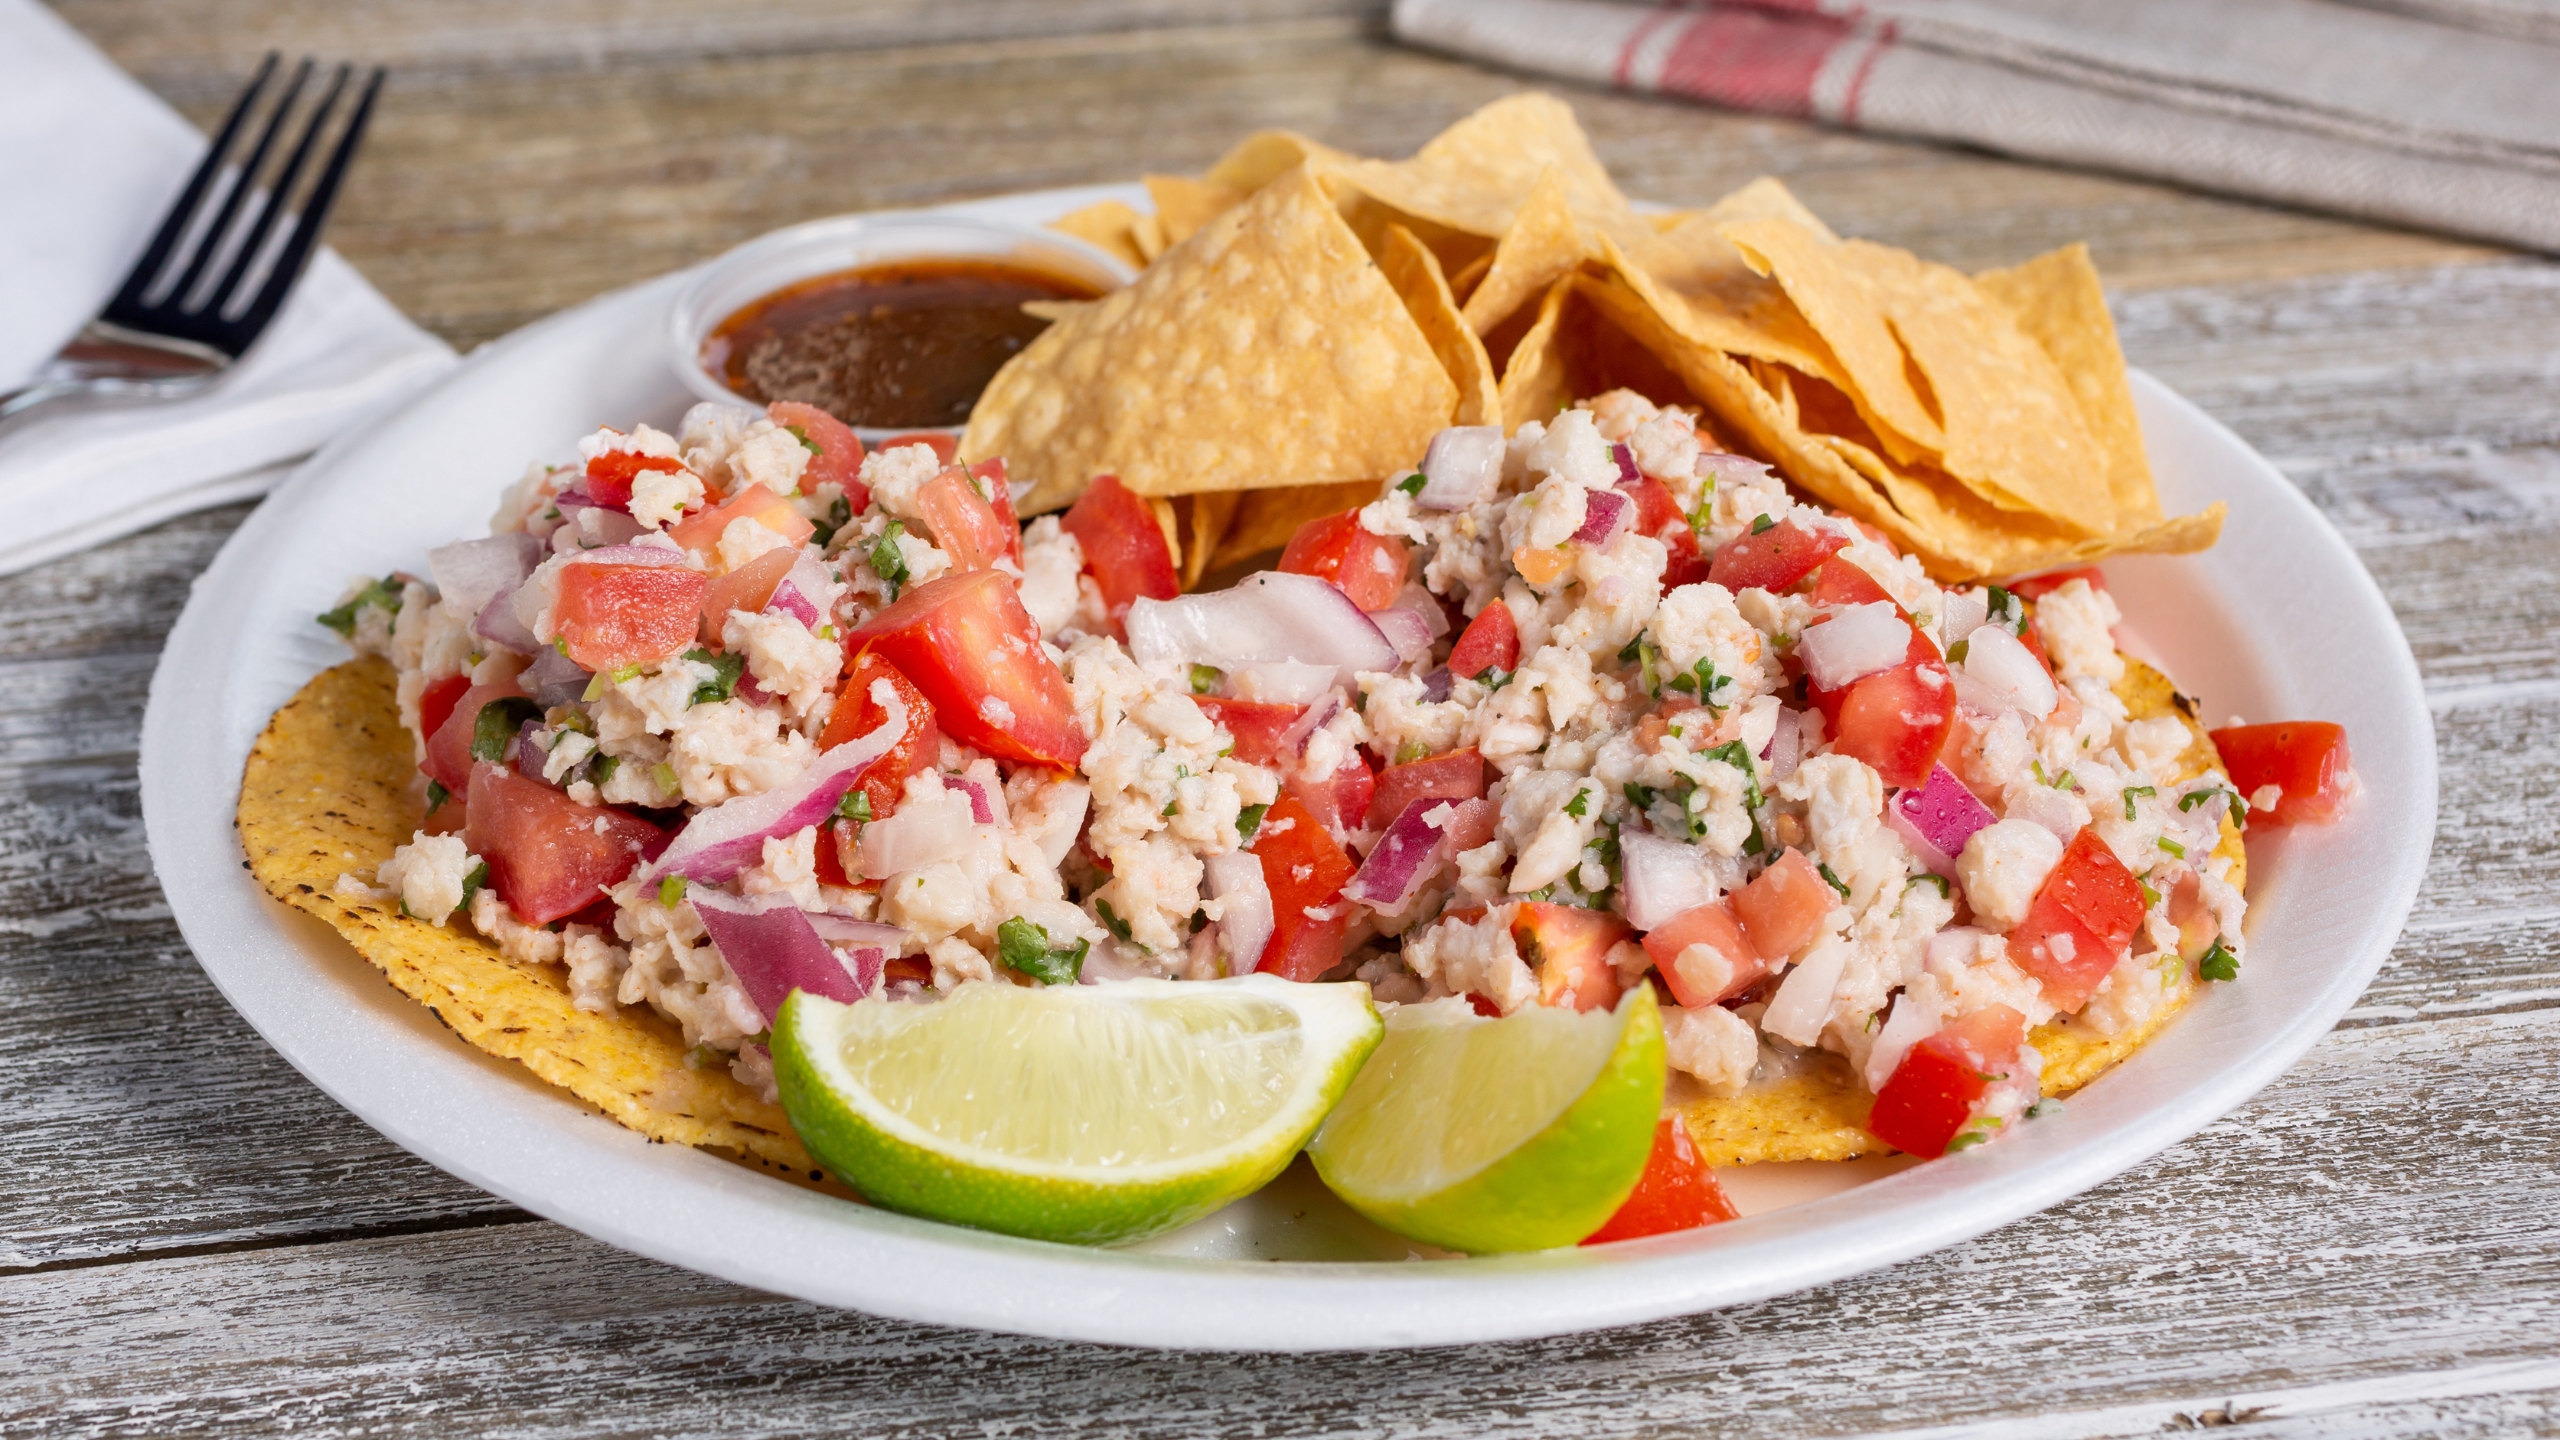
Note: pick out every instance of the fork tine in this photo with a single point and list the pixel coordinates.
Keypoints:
(173, 226)
(231, 203)
(277, 196)
(315, 215)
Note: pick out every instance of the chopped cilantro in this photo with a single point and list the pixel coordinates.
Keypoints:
(1706, 502)
(801, 434)
(1492, 679)
(1113, 922)
(1579, 805)
(1763, 525)
(2173, 847)
(1170, 806)
(1945, 890)
(2007, 611)
(497, 723)
(473, 884)
(382, 594)
(2130, 792)
(1957, 651)
(1703, 682)
(2219, 963)
(2239, 807)
(601, 768)
(724, 680)
(1737, 755)
(1023, 945)
(887, 561)
(855, 806)
(436, 795)
(671, 890)
(665, 775)
(2150, 897)
(1412, 750)
(1412, 484)
(838, 514)
(1640, 796)
(1834, 881)
(1205, 679)
(561, 644)
(1249, 819)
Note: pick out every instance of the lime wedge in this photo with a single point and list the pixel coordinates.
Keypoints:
(1522, 1133)
(1087, 1113)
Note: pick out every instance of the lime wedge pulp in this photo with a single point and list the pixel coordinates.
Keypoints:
(1522, 1133)
(1087, 1113)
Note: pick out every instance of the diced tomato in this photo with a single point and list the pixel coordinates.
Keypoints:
(1839, 581)
(1715, 926)
(944, 444)
(1260, 727)
(1932, 1093)
(1678, 1192)
(1687, 564)
(1491, 641)
(1483, 1005)
(1472, 826)
(1458, 775)
(611, 616)
(1656, 511)
(1124, 548)
(963, 523)
(448, 750)
(1305, 869)
(436, 702)
(834, 844)
(1772, 559)
(856, 714)
(1895, 720)
(2081, 922)
(998, 489)
(1569, 948)
(610, 474)
(2036, 587)
(746, 588)
(548, 855)
(2307, 759)
(1340, 802)
(838, 457)
(702, 529)
(1784, 906)
(968, 644)
(1337, 550)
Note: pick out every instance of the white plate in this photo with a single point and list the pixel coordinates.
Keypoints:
(2279, 620)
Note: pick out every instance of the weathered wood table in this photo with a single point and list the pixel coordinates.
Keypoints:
(193, 1238)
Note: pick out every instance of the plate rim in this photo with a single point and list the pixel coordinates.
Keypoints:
(938, 1274)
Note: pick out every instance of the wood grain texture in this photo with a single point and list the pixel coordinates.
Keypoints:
(194, 1239)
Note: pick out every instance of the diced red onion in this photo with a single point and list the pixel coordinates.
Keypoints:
(1435, 686)
(1999, 673)
(469, 573)
(1625, 455)
(980, 809)
(1286, 682)
(751, 692)
(773, 950)
(1936, 817)
(917, 836)
(595, 528)
(1268, 616)
(497, 623)
(1420, 600)
(1602, 512)
(1462, 466)
(1244, 901)
(552, 678)
(629, 555)
(801, 591)
(1663, 878)
(1405, 630)
(845, 930)
(1856, 642)
(788, 600)
(719, 842)
(1785, 749)
(525, 755)
(1403, 857)
(1293, 741)
(1732, 469)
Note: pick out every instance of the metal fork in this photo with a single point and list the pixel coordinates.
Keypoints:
(169, 331)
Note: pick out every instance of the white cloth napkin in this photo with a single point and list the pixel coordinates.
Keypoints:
(2415, 117)
(88, 161)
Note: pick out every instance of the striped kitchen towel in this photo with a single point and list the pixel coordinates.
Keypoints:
(2439, 114)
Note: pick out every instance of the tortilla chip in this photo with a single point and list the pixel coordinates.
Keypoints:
(1265, 519)
(1266, 155)
(1204, 520)
(1147, 234)
(1820, 1113)
(1183, 205)
(326, 792)
(1463, 284)
(2057, 300)
(1415, 273)
(1543, 243)
(1266, 349)
(1533, 378)
(1717, 303)
(1053, 310)
(1477, 174)
(1107, 225)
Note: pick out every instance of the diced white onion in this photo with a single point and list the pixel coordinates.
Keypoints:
(1268, 616)
(2000, 673)
(1245, 920)
(1853, 644)
(1663, 878)
(1802, 1005)
(1462, 466)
